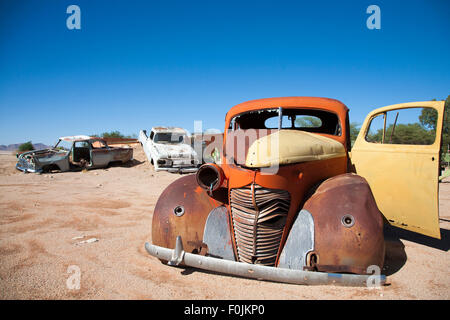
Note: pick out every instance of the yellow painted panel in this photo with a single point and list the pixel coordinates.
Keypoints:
(292, 146)
(403, 178)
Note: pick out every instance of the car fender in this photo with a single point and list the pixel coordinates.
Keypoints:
(182, 210)
(348, 226)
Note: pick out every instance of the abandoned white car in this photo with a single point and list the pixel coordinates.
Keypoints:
(169, 149)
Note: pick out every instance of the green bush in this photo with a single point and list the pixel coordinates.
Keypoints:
(27, 146)
(446, 157)
(115, 134)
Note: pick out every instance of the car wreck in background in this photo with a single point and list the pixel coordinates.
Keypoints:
(294, 202)
(169, 149)
(73, 152)
(211, 146)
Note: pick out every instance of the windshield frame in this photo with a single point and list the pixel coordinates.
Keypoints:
(55, 147)
(171, 140)
(281, 111)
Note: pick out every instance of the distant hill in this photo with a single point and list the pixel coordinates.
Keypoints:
(15, 146)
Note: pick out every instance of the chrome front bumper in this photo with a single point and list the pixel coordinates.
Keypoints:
(179, 256)
(178, 169)
(183, 170)
(27, 169)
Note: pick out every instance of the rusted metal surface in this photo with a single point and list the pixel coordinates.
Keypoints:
(348, 225)
(210, 177)
(111, 140)
(310, 103)
(296, 179)
(344, 227)
(76, 138)
(104, 156)
(179, 256)
(259, 216)
(196, 204)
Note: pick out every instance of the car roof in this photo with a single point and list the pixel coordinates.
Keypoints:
(288, 103)
(169, 129)
(79, 138)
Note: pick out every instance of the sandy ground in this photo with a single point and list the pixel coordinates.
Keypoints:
(41, 214)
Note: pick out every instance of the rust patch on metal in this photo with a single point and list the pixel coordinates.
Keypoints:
(259, 216)
(166, 226)
(346, 246)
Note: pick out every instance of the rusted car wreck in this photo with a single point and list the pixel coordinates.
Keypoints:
(293, 202)
(73, 152)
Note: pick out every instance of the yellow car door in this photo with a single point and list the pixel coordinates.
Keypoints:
(402, 172)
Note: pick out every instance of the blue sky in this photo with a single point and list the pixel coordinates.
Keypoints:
(135, 64)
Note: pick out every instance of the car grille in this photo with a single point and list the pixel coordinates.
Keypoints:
(24, 164)
(259, 216)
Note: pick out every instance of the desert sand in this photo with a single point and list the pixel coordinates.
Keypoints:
(43, 219)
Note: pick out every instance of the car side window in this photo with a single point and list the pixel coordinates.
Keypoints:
(81, 144)
(152, 134)
(98, 144)
(412, 126)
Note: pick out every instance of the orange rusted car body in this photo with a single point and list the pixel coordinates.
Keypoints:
(343, 228)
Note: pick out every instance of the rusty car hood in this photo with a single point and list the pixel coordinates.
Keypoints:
(44, 155)
(35, 160)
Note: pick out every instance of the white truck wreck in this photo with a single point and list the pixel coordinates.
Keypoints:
(169, 149)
